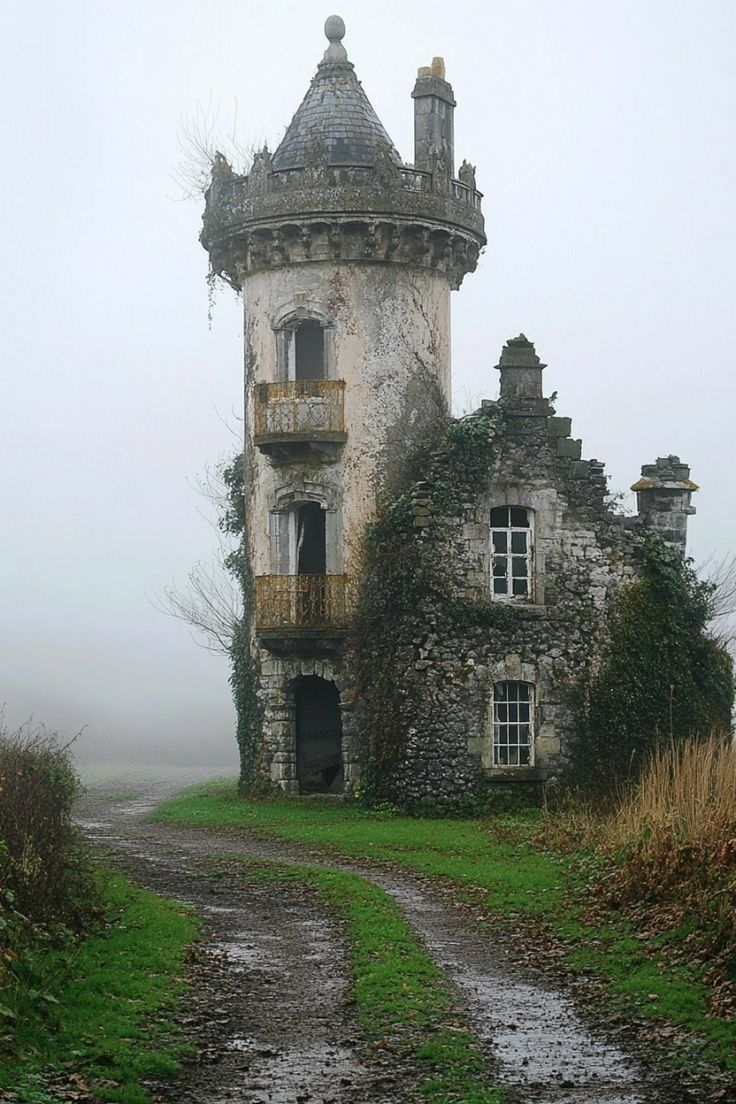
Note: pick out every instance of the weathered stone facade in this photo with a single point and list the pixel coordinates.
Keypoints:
(346, 258)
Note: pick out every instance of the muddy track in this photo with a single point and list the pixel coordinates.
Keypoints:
(274, 982)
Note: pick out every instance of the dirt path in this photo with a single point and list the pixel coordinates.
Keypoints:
(270, 1002)
(283, 1032)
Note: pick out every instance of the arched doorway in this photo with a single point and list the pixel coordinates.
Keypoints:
(318, 736)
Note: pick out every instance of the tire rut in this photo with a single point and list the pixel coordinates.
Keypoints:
(540, 1048)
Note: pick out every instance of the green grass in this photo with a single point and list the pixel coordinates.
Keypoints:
(471, 851)
(495, 863)
(403, 1003)
(114, 990)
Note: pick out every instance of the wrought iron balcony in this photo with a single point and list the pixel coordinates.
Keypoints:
(301, 605)
(299, 415)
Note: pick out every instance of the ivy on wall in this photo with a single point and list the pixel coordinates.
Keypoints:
(656, 676)
(411, 584)
(244, 665)
(659, 677)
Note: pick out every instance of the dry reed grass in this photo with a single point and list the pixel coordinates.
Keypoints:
(672, 843)
(685, 796)
(668, 848)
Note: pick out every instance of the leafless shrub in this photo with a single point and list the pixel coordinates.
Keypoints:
(39, 853)
(200, 137)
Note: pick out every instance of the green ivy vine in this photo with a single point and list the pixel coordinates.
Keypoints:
(660, 676)
(409, 587)
(244, 666)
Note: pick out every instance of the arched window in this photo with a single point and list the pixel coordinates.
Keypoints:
(513, 724)
(300, 533)
(512, 537)
(304, 348)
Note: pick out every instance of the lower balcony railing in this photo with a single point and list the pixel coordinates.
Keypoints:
(299, 409)
(294, 602)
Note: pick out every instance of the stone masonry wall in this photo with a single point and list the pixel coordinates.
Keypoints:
(582, 553)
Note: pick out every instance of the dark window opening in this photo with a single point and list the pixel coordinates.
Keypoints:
(309, 351)
(318, 736)
(311, 543)
(311, 563)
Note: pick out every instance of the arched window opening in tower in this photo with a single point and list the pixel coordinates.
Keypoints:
(511, 552)
(513, 724)
(310, 546)
(318, 736)
(309, 351)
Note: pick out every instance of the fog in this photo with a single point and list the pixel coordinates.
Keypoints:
(604, 141)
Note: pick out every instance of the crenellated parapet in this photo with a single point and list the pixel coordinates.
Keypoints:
(383, 212)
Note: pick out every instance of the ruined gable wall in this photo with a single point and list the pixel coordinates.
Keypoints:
(582, 553)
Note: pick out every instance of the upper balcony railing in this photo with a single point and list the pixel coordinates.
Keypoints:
(301, 602)
(299, 411)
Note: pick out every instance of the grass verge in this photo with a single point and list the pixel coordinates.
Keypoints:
(403, 1003)
(106, 1027)
(496, 865)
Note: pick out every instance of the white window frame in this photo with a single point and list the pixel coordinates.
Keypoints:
(509, 531)
(511, 713)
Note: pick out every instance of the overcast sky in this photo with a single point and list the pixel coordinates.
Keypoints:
(604, 136)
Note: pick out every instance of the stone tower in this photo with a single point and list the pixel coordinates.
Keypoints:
(345, 257)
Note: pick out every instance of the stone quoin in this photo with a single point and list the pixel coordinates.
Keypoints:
(346, 258)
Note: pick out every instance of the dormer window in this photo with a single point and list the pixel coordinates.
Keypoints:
(511, 552)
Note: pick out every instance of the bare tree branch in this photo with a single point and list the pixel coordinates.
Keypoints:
(210, 601)
(721, 574)
(199, 138)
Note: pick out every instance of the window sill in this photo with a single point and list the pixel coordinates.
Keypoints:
(517, 774)
(534, 609)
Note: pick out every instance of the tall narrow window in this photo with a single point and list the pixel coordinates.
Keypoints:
(511, 552)
(310, 556)
(309, 351)
(513, 724)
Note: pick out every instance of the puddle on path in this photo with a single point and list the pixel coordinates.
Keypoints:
(543, 1052)
(278, 1029)
(534, 1032)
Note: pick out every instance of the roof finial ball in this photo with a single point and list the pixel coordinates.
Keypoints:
(335, 28)
(335, 31)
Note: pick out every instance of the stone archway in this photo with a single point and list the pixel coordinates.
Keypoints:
(319, 759)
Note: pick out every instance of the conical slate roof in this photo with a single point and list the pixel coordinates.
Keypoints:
(335, 117)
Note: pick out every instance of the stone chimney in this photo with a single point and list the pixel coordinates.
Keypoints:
(434, 107)
(663, 497)
(521, 371)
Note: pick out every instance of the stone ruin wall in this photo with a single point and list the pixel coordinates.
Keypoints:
(582, 554)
